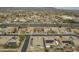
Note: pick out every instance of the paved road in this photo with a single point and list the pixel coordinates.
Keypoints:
(39, 25)
(37, 34)
(25, 46)
(44, 45)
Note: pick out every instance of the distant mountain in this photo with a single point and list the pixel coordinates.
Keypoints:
(68, 8)
(28, 8)
(45, 9)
